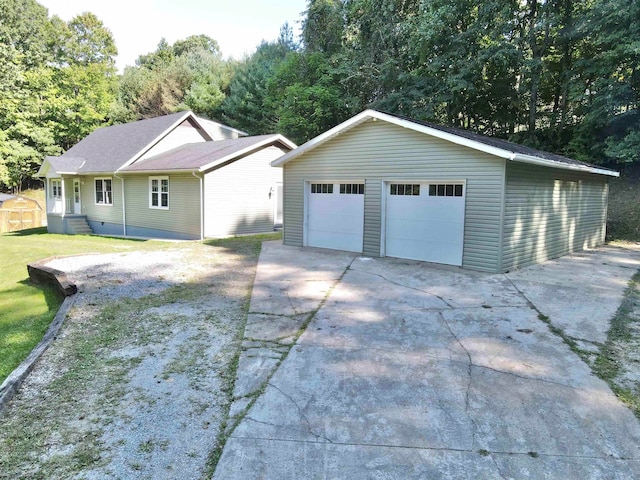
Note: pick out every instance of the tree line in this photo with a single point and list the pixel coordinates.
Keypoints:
(559, 75)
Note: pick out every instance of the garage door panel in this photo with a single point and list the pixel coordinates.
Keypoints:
(425, 227)
(336, 220)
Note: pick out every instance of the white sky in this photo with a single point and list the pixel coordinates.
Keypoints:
(138, 25)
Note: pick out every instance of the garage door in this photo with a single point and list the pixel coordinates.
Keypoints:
(425, 221)
(336, 216)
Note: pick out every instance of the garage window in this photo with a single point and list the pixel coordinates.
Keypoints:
(445, 190)
(322, 188)
(405, 189)
(352, 188)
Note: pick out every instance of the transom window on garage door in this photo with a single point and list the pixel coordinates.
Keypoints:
(405, 189)
(445, 190)
(322, 188)
(352, 188)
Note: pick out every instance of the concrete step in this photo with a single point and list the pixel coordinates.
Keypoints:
(79, 226)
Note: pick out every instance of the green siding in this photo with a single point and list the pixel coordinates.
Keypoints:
(550, 213)
(379, 151)
(183, 215)
(99, 213)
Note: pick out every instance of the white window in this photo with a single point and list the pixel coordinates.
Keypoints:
(104, 192)
(56, 188)
(159, 192)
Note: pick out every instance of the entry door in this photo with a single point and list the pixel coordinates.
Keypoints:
(336, 216)
(425, 221)
(77, 203)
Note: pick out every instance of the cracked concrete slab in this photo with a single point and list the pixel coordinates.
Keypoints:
(412, 370)
(580, 292)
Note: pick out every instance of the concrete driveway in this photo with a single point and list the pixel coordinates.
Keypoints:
(409, 370)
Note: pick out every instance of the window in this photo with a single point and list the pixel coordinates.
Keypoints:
(352, 188)
(159, 192)
(56, 188)
(322, 188)
(405, 189)
(445, 190)
(104, 192)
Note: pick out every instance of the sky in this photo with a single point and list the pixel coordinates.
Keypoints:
(138, 25)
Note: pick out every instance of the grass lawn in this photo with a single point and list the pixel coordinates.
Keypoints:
(26, 310)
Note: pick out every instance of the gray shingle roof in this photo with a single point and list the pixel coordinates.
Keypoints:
(498, 143)
(194, 156)
(108, 148)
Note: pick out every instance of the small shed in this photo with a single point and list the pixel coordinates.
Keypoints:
(384, 185)
(18, 213)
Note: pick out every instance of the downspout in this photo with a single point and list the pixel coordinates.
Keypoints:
(201, 205)
(124, 208)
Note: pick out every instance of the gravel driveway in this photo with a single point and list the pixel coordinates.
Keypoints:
(137, 384)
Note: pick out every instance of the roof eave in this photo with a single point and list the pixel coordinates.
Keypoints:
(251, 148)
(159, 171)
(564, 166)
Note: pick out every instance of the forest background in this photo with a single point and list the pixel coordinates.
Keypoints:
(558, 75)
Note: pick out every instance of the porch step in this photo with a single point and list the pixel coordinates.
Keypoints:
(79, 226)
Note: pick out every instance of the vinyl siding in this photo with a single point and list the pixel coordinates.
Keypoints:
(377, 152)
(183, 215)
(550, 213)
(181, 135)
(240, 196)
(99, 213)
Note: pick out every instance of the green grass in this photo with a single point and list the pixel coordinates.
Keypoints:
(26, 310)
(622, 335)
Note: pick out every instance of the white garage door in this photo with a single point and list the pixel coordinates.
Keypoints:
(336, 216)
(425, 221)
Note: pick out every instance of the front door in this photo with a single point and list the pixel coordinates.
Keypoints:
(77, 204)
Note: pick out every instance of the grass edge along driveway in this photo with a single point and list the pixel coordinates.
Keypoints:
(26, 310)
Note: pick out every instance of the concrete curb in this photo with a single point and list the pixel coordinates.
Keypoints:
(15, 378)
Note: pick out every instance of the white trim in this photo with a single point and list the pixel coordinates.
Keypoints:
(567, 166)
(201, 203)
(255, 146)
(375, 115)
(159, 179)
(124, 206)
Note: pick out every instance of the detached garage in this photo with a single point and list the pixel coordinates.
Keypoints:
(384, 185)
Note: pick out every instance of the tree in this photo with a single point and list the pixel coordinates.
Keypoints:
(246, 106)
(190, 74)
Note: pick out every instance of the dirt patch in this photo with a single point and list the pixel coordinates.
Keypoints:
(137, 384)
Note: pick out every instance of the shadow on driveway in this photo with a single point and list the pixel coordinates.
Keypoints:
(412, 370)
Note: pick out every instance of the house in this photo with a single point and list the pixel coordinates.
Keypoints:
(175, 176)
(18, 213)
(386, 185)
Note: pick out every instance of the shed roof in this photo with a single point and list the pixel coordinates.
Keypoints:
(494, 146)
(5, 196)
(204, 156)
